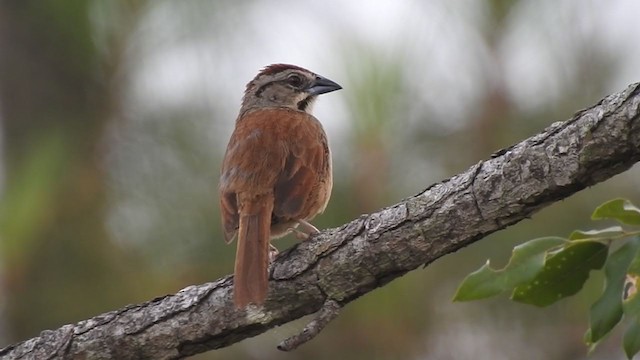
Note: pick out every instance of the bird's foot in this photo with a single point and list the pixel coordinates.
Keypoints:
(273, 252)
(305, 231)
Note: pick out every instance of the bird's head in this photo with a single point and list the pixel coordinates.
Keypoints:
(283, 85)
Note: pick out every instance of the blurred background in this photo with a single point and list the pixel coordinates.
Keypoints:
(114, 116)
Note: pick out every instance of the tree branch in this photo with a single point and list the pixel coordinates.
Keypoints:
(339, 265)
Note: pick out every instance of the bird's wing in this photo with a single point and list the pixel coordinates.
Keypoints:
(253, 159)
(307, 164)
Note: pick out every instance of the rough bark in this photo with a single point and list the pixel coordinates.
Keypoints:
(339, 265)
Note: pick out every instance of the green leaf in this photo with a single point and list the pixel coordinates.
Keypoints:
(621, 210)
(587, 340)
(606, 312)
(526, 261)
(630, 298)
(563, 274)
(631, 340)
(598, 234)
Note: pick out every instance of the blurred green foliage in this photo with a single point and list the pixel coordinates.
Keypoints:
(115, 115)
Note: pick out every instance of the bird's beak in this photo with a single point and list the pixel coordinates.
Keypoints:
(322, 85)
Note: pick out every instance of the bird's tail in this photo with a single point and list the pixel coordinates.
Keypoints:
(252, 254)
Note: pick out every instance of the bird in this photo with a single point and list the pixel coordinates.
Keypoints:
(276, 172)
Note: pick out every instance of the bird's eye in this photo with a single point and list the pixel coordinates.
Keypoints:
(295, 80)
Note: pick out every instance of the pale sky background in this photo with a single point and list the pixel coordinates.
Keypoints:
(441, 45)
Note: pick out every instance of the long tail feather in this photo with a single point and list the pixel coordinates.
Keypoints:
(252, 254)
